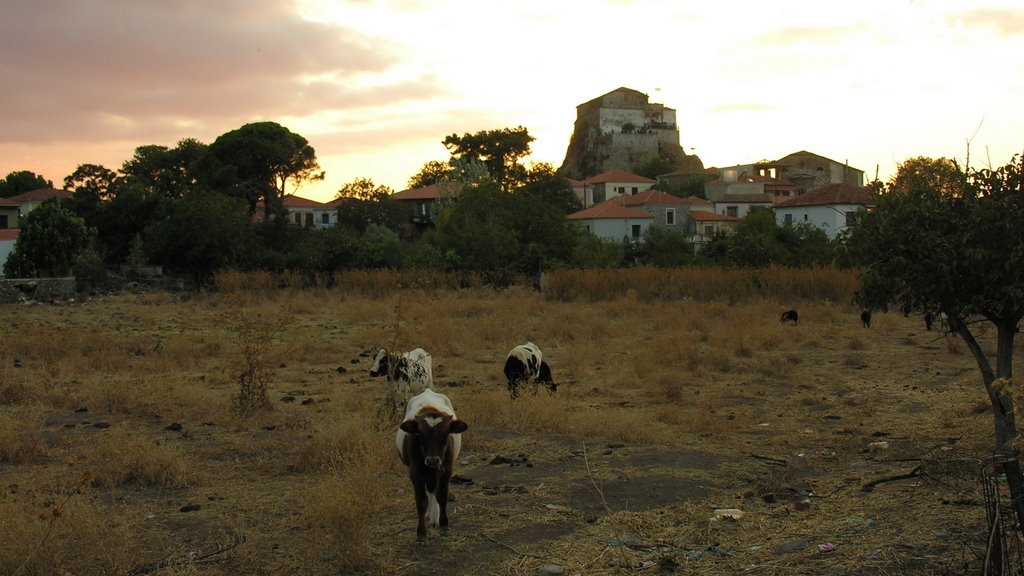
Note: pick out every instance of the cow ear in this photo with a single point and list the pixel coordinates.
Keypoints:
(410, 426)
(457, 427)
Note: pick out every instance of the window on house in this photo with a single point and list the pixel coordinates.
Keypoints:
(636, 231)
(709, 230)
(423, 208)
(621, 189)
(805, 217)
(309, 219)
(851, 218)
(325, 218)
(635, 190)
(732, 211)
(3, 221)
(788, 219)
(670, 217)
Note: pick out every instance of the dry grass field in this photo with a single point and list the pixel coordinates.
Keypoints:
(136, 438)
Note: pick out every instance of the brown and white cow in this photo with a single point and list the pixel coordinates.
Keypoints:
(525, 363)
(428, 441)
(407, 372)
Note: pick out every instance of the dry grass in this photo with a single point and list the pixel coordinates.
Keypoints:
(122, 446)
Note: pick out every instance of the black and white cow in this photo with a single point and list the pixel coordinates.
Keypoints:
(525, 363)
(428, 442)
(407, 373)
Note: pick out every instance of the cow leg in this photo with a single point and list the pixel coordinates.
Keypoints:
(421, 509)
(513, 388)
(442, 502)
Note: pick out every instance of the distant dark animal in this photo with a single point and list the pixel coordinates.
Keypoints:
(865, 318)
(525, 364)
(789, 316)
(428, 442)
(407, 373)
(929, 321)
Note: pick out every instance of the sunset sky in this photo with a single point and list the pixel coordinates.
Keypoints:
(376, 85)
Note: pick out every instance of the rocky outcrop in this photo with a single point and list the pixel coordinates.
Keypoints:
(623, 130)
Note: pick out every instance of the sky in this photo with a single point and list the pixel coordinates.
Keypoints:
(376, 85)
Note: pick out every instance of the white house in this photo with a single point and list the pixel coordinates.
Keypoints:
(831, 208)
(8, 236)
(610, 184)
(613, 221)
(739, 205)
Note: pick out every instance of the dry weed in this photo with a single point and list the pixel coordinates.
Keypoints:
(19, 441)
(118, 457)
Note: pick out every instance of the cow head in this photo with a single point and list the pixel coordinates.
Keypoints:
(544, 377)
(380, 363)
(430, 431)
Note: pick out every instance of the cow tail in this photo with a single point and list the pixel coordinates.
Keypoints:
(433, 511)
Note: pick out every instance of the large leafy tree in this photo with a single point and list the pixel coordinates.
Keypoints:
(475, 234)
(257, 161)
(499, 150)
(951, 241)
(163, 171)
(432, 172)
(90, 185)
(202, 233)
(362, 203)
(22, 181)
(51, 238)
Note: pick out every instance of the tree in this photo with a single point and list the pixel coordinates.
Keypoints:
(432, 172)
(544, 184)
(362, 203)
(256, 162)
(499, 150)
(89, 184)
(667, 247)
(50, 240)
(22, 181)
(165, 172)
(475, 230)
(202, 233)
(944, 240)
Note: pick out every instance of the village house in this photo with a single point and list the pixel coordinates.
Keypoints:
(832, 208)
(609, 184)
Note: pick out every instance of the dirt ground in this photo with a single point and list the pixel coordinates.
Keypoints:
(864, 455)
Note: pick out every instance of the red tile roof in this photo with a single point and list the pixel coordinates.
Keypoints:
(658, 197)
(293, 201)
(9, 234)
(40, 195)
(609, 209)
(9, 202)
(432, 192)
(619, 176)
(831, 195)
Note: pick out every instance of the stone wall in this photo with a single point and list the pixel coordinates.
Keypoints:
(44, 289)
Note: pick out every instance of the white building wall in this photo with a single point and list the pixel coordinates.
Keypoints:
(616, 229)
(830, 219)
(6, 247)
(612, 119)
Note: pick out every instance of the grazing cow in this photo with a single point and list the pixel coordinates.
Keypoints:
(407, 373)
(789, 316)
(524, 364)
(865, 318)
(428, 441)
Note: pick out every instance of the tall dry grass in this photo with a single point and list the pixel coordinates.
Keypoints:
(704, 284)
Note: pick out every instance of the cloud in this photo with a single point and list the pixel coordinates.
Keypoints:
(126, 69)
(1006, 22)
